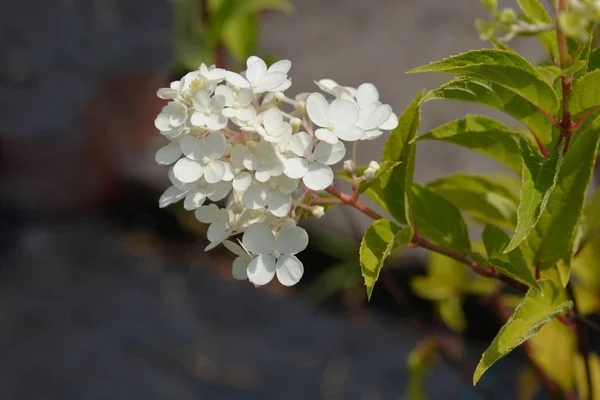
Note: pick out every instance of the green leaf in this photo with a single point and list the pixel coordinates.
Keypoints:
(554, 234)
(484, 199)
(531, 314)
(439, 220)
(483, 135)
(480, 91)
(513, 263)
(395, 185)
(591, 214)
(421, 360)
(594, 60)
(585, 94)
(534, 10)
(538, 180)
(240, 36)
(556, 72)
(504, 68)
(380, 239)
(452, 314)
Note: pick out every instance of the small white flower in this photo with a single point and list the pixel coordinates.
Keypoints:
(274, 194)
(336, 120)
(313, 165)
(237, 104)
(201, 158)
(259, 78)
(168, 154)
(275, 255)
(234, 170)
(266, 161)
(239, 269)
(204, 78)
(218, 218)
(374, 116)
(275, 129)
(349, 166)
(209, 111)
(333, 88)
(203, 190)
(170, 122)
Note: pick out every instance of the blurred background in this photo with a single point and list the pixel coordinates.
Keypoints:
(104, 296)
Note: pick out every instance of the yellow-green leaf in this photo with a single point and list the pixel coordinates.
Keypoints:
(380, 239)
(534, 10)
(421, 360)
(585, 94)
(531, 314)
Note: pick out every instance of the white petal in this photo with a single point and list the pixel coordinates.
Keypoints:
(168, 154)
(251, 162)
(256, 196)
(234, 248)
(201, 101)
(194, 199)
(259, 239)
(373, 115)
(187, 170)
(279, 204)
(217, 103)
(292, 240)
(192, 147)
(229, 172)
(238, 154)
(318, 177)
(343, 113)
(256, 70)
(246, 113)
(261, 270)
(170, 196)
(239, 269)
(244, 97)
(178, 113)
(317, 109)
(217, 232)
(215, 74)
(326, 135)
(216, 122)
(284, 86)
(214, 171)
(167, 93)
(350, 133)
(253, 59)
(327, 85)
(236, 80)
(365, 94)
(286, 185)
(270, 81)
(289, 270)
(329, 154)
(301, 144)
(263, 173)
(199, 119)
(207, 214)
(242, 181)
(272, 120)
(218, 191)
(185, 187)
(281, 66)
(372, 134)
(230, 112)
(163, 122)
(391, 123)
(295, 167)
(214, 145)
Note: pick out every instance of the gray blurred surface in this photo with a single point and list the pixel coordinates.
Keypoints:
(82, 317)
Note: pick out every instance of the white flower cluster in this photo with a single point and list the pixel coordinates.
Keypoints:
(231, 139)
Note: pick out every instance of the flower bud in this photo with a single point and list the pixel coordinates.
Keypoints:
(349, 166)
(279, 97)
(296, 124)
(374, 165)
(507, 16)
(371, 170)
(491, 4)
(317, 211)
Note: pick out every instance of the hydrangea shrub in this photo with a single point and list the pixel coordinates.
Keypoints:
(239, 139)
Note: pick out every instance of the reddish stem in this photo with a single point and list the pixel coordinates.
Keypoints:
(354, 202)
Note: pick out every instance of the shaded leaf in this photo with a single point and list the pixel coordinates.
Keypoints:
(581, 380)
(483, 135)
(505, 68)
(395, 184)
(240, 36)
(539, 178)
(585, 94)
(594, 60)
(421, 360)
(531, 314)
(554, 235)
(380, 239)
(484, 199)
(528, 384)
(439, 220)
(513, 263)
(451, 312)
(480, 91)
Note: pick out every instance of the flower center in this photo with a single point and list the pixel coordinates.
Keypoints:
(276, 254)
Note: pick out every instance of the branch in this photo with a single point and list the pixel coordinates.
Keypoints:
(354, 202)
